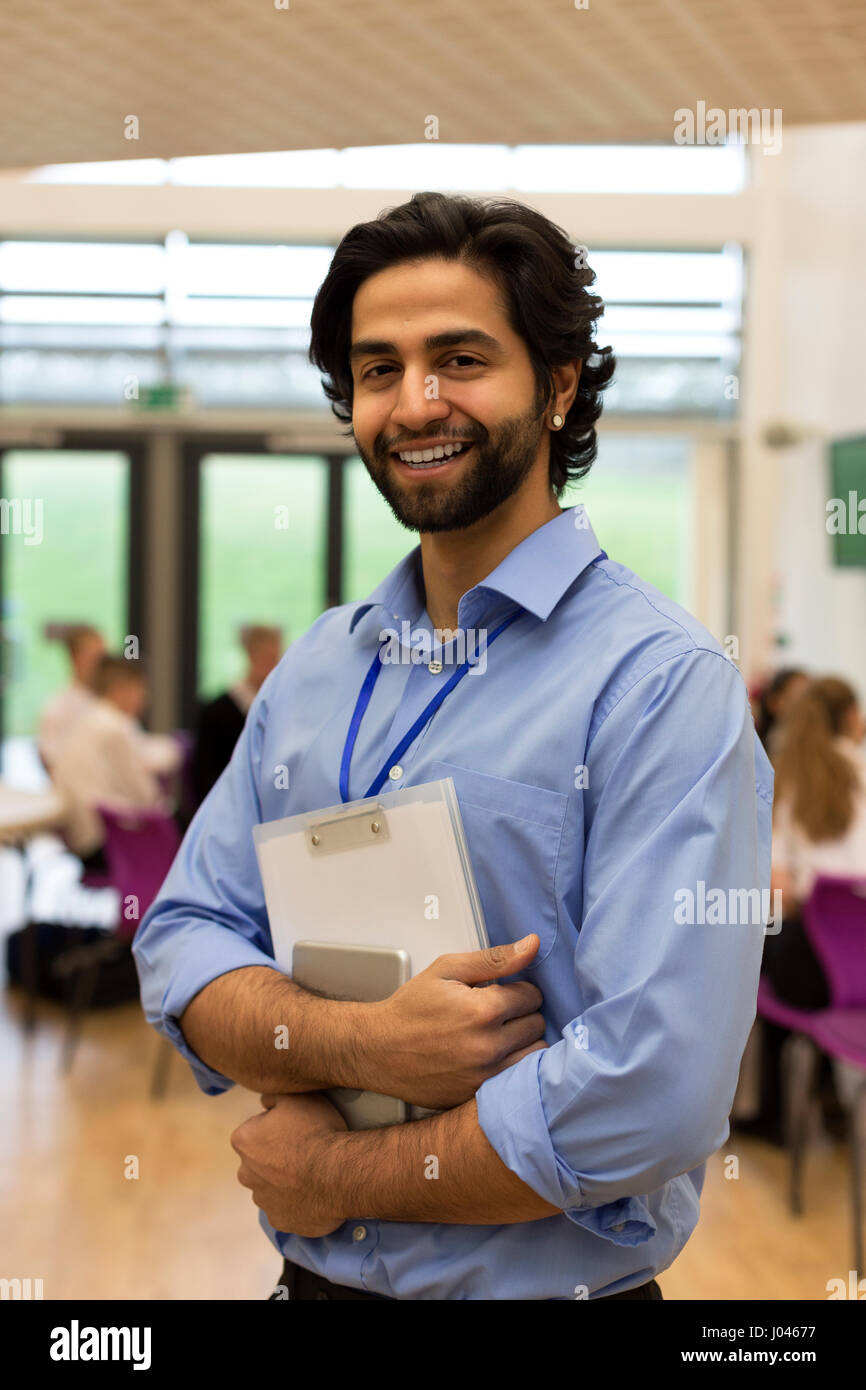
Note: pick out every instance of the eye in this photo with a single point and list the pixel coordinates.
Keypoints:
(373, 372)
(466, 359)
(379, 370)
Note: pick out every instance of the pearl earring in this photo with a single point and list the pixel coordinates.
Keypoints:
(557, 422)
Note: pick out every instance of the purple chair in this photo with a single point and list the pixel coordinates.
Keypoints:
(834, 919)
(140, 846)
(90, 878)
(187, 799)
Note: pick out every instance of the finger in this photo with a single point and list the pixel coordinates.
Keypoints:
(521, 1032)
(514, 1000)
(517, 1056)
(474, 967)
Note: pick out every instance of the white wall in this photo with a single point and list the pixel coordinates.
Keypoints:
(822, 337)
(820, 607)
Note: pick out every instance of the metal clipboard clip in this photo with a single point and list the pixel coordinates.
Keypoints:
(353, 828)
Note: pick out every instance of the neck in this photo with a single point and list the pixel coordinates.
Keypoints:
(454, 561)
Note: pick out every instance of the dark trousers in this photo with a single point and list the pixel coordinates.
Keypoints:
(792, 967)
(301, 1284)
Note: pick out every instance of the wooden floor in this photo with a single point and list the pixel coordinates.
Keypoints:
(186, 1229)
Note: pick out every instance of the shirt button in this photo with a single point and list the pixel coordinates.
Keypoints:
(434, 668)
(396, 773)
(359, 1233)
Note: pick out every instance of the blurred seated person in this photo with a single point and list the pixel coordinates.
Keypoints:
(819, 823)
(221, 721)
(774, 702)
(111, 759)
(60, 716)
(819, 827)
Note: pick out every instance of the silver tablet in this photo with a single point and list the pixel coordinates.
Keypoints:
(363, 974)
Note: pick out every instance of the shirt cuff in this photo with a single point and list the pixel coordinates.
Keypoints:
(511, 1115)
(213, 1083)
(191, 972)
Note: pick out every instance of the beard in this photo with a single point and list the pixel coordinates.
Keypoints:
(503, 458)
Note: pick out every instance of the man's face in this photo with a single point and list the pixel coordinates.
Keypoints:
(87, 657)
(435, 365)
(130, 696)
(263, 657)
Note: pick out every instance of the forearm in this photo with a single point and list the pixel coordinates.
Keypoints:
(266, 1033)
(440, 1169)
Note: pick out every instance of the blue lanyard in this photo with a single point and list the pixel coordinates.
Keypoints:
(426, 714)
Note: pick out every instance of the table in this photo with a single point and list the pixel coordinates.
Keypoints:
(22, 815)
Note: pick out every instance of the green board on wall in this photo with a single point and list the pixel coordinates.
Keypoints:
(847, 524)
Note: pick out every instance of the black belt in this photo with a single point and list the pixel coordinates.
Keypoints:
(299, 1283)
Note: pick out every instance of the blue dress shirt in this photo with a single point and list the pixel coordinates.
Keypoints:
(608, 772)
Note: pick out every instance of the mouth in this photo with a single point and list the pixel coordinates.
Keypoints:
(435, 458)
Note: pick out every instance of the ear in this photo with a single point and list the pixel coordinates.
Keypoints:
(565, 381)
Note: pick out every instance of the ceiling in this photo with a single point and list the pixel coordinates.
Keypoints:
(234, 76)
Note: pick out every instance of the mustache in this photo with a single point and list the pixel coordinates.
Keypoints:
(382, 446)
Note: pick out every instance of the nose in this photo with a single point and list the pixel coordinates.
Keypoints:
(419, 403)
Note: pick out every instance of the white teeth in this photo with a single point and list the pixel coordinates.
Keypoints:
(439, 451)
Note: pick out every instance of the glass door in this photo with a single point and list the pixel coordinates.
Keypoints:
(373, 539)
(262, 539)
(65, 528)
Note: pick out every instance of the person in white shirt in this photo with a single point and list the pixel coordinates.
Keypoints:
(819, 818)
(110, 759)
(819, 827)
(86, 647)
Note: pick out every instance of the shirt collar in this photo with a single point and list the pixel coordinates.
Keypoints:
(535, 574)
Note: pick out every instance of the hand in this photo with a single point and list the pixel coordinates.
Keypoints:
(437, 1038)
(280, 1152)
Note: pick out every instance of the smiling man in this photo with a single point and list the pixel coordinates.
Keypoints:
(604, 761)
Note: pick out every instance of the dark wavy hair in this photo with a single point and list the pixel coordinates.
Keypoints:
(543, 281)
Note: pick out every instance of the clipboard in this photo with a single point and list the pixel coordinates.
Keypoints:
(389, 870)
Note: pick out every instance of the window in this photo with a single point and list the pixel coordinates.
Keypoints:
(374, 540)
(227, 325)
(655, 169)
(71, 568)
(102, 323)
(638, 496)
(673, 319)
(263, 531)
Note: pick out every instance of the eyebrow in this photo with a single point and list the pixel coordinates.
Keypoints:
(374, 347)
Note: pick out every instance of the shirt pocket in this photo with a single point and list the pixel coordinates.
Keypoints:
(514, 833)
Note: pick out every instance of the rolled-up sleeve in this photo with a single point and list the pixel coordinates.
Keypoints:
(210, 915)
(639, 1088)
